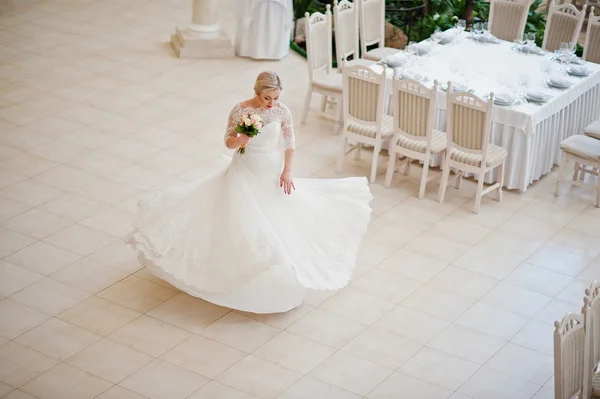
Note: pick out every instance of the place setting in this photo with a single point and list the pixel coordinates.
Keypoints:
(480, 33)
(527, 45)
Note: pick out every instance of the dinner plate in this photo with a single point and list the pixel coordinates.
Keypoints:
(559, 83)
(578, 70)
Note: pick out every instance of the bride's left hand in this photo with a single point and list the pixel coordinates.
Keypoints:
(286, 182)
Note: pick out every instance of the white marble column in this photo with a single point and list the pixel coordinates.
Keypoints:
(203, 38)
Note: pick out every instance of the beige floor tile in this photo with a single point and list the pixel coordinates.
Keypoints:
(57, 339)
(11, 241)
(492, 321)
(109, 360)
(240, 332)
(281, 320)
(203, 356)
(433, 300)
(10, 208)
(409, 386)
(89, 275)
(516, 299)
(150, 335)
(26, 164)
(65, 177)
(309, 387)
(5, 389)
(50, 296)
(294, 352)
(351, 373)
(162, 380)
(118, 254)
(138, 294)
(99, 315)
(523, 363)
(14, 278)
(43, 258)
(355, 305)
(31, 193)
(439, 368)
(555, 311)
(106, 191)
(467, 344)
(215, 390)
(18, 394)
(382, 348)
(118, 392)
(464, 282)
(20, 364)
(259, 378)
(327, 328)
(438, 247)
(490, 384)
(80, 239)
(37, 224)
(66, 382)
(111, 221)
(494, 263)
(561, 260)
(189, 313)
(415, 266)
(385, 285)
(536, 336)
(16, 319)
(411, 324)
(538, 279)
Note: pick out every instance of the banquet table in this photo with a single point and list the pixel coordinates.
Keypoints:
(530, 132)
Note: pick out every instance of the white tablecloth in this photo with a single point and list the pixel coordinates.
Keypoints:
(264, 28)
(531, 133)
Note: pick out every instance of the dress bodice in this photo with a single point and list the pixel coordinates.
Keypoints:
(277, 125)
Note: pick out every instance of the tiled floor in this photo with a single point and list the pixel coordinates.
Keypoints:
(95, 110)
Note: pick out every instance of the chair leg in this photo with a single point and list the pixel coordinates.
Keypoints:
(376, 152)
(444, 182)
(324, 101)
(423, 185)
(407, 166)
(391, 166)
(340, 117)
(459, 179)
(576, 172)
(501, 181)
(357, 153)
(479, 193)
(342, 155)
(561, 172)
(306, 105)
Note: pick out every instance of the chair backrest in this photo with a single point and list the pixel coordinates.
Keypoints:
(563, 26)
(468, 122)
(364, 91)
(591, 48)
(508, 18)
(569, 347)
(414, 109)
(318, 42)
(592, 321)
(345, 18)
(372, 23)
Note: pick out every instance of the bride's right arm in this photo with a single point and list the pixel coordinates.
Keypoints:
(232, 140)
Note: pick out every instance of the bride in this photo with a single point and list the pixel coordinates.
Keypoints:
(248, 237)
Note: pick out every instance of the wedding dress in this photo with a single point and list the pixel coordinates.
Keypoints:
(237, 240)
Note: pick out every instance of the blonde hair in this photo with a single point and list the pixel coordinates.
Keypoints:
(267, 81)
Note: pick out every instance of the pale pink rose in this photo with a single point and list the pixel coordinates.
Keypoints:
(255, 118)
(258, 125)
(247, 121)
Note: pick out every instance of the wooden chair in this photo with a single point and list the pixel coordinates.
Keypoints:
(372, 30)
(508, 18)
(563, 26)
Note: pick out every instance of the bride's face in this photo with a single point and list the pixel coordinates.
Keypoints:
(268, 98)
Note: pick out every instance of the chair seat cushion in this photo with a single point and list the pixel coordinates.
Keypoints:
(380, 52)
(495, 156)
(438, 143)
(387, 128)
(593, 130)
(329, 81)
(596, 382)
(582, 146)
(359, 61)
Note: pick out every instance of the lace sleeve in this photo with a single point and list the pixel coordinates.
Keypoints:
(287, 127)
(232, 122)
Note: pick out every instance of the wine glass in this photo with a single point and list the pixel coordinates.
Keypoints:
(530, 39)
(523, 82)
(461, 25)
(478, 28)
(546, 67)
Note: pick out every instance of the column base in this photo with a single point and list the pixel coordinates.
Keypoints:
(190, 44)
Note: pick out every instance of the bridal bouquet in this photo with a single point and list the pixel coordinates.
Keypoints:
(249, 125)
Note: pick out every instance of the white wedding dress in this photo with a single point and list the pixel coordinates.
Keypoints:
(237, 240)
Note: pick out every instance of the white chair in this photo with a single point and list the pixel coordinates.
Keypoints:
(414, 135)
(593, 130)
(591, 47)
(468, 128)
(563, 26)
(365, 121)
(569, 356)
(345, 18)
(508, 18)
(323, 79)
(372, 30)
(591, 380)
(584, 151)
